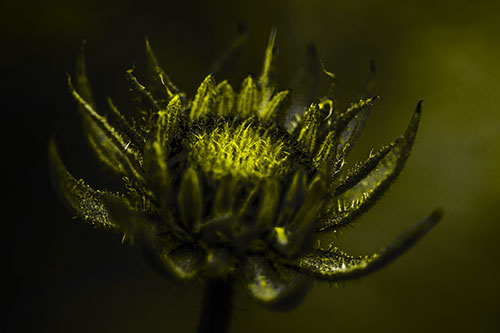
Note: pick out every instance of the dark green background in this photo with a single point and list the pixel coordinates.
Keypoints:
(63, 276)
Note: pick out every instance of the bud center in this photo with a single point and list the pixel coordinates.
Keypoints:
(243, 150)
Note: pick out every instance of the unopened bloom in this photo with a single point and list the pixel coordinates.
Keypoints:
(230, 183)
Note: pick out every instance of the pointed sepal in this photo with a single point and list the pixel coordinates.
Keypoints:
(204, 98)
(184, 262)
(111, 147)
(268, 202)
(156, 168)
(157, 149)
(293, 199)
(224, 197)
(248, 98)
(307, 130)
(350, 124)
(135, 224)
(295, 239)
(362, 170)
(273, 285)
(146, 100)
(190, 199)
(159, 82)
(325, 158)
(167, 123)
(363, 187)
(335, 265)
(85, 202)
(267, 70)
(272, 109)
(97, 119)
(136, 137)
(82, 80)
(224, 99)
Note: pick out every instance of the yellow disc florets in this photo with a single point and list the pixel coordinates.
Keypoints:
(244, 151)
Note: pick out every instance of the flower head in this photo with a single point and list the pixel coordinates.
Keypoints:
(235, 184)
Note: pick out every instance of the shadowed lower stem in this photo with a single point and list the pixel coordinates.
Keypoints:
(217, 306)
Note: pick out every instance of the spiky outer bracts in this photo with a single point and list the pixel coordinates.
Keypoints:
(230, 183)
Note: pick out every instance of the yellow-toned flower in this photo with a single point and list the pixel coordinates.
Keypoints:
(230, 186)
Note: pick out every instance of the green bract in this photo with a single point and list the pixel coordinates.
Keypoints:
(232, 184)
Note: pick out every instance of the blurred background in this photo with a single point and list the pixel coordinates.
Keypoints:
(63, 276)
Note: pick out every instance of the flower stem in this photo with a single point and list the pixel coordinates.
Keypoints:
(217, 306)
